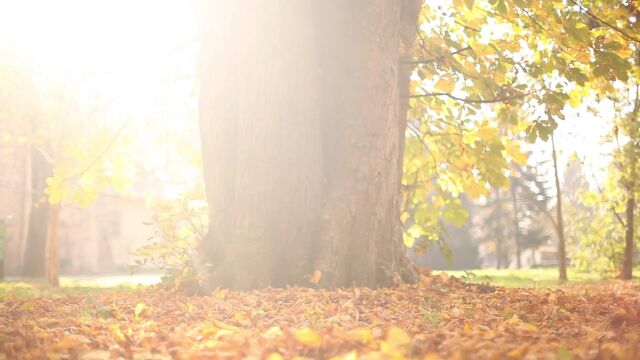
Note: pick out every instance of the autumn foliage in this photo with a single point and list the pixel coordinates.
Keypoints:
(441, 317)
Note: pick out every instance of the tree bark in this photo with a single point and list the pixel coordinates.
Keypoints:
(499, 230)
(562, 254)
(516, 227)
(627, 265)
(34, 257)
(3, 241)
(629, 242)
(302, 137)
(51, 247)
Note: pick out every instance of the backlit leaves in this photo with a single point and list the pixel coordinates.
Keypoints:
(493, 72)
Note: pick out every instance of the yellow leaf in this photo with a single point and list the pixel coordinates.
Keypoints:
(361, 335)
(445, 84)
(309, 337)
(396, 337)
(499, 77)
(222, 325)
(519, 352)
(467, 328)
(315, 278)
(273, 332)
(351, 355)
(408, 239)
(474, 190)
(116, 332)
(487, 133)
(275, 356)
(444, 276)
(209, 331)
(140, 309)
(241, 319)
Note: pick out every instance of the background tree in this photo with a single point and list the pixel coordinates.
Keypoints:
(559, 223)
(453, 246)
(529, 206)
(630, 152)
(496, 230)
(71, 157)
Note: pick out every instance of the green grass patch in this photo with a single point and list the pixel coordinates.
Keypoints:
(75, 285)
(540, 277)
(85, 285)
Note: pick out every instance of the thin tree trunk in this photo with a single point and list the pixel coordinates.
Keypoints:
(562, 255)
(34, 256)
(25, 206)
(3, 241)
(499, 229)
(627, 265)
(629, 246)
(302, 147)
(51, 248)
(516, 227)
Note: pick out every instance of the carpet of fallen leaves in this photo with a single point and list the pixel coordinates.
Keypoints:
(439, 318)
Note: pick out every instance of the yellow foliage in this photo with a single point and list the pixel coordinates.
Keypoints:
(308, 337)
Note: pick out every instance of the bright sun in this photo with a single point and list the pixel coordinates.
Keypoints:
(138, 58)
(95, 36)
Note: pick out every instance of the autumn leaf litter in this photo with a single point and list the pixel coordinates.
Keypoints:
(439, 318)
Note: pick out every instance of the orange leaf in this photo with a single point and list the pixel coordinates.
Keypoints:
(315, 278)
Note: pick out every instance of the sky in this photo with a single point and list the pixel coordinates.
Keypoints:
(581, 134)
(135, 51)
(134, 60)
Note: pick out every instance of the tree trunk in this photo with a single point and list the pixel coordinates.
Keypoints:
(499, 230)
(562, 254)
(627, 265)
(51, 247)
(34, 256)
(302, 138)
(629, 240)
(516, 227)
(3, 241)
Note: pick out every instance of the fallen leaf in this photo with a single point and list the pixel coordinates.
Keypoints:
(315, 278)
(396, 337)
(95, 355)
(309, 337)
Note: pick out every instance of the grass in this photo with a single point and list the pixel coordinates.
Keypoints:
(90, 284)
(75, 285)
(540, 277)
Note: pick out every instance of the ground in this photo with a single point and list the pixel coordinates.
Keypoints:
(441, 317)
(540, 277)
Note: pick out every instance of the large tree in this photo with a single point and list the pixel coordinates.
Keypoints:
(303, 115)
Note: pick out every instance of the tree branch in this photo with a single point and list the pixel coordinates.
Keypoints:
(602, 21)
(436, 59)
(471, 101)
(106, 149)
